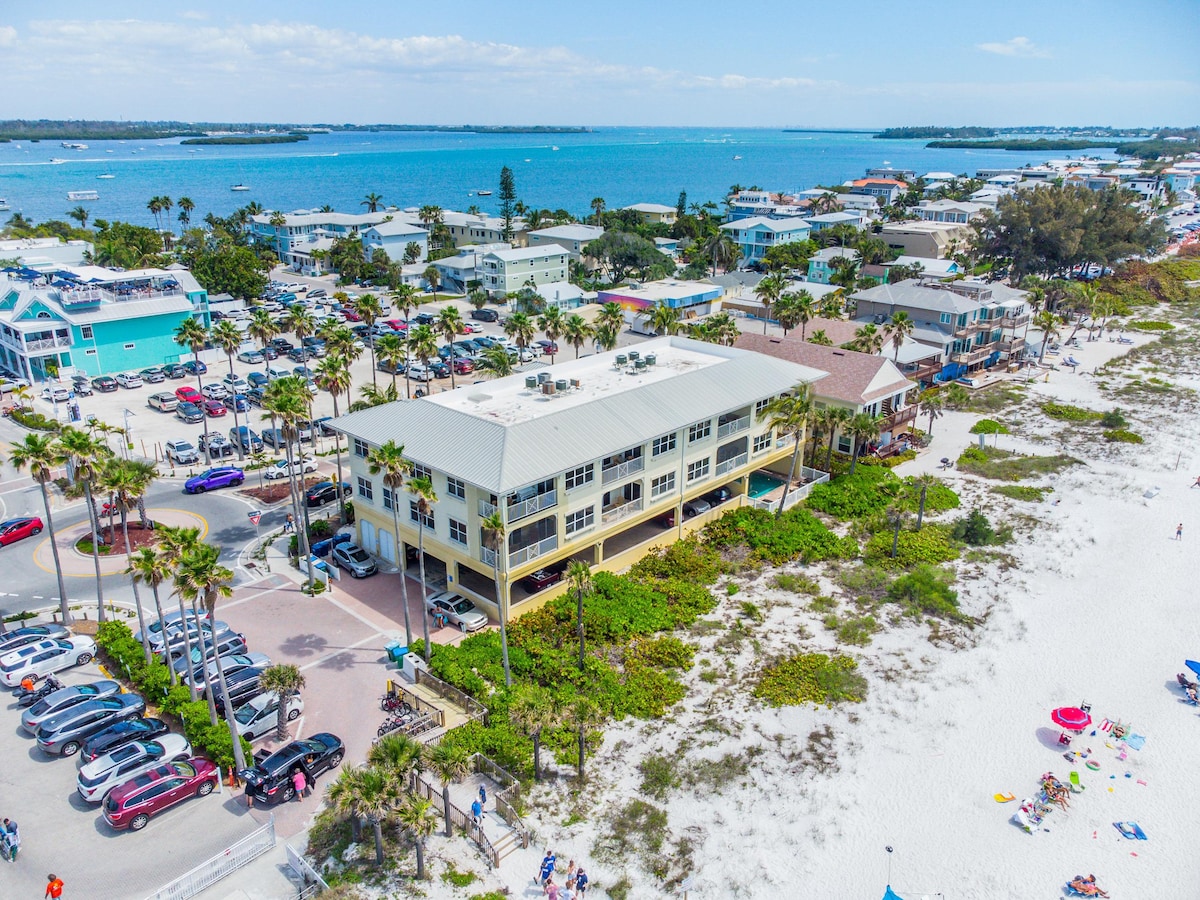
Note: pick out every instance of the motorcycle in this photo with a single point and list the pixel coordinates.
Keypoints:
(43, 688)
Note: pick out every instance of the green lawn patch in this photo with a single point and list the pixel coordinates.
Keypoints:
(926, 591)
(931, 544)
(1005, 465)
(811, 678)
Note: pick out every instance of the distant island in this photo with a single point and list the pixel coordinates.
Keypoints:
(947, 132)
(1023, 144)
(471, 129)
(935, 131)
(230, 132)
(247, 139)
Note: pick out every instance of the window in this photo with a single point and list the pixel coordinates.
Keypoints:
(456, 488)
(130, 345)
(663, 484)
(699, 431)
(361, 448)
(581, 520)
(366, 490)
(761, 406)
(458, 532)
(762, 442)
(389, 498)
(698, 469)
(420, 471)
(85, 332)
(945, 318)
(578, 477)
(844, 444)
(426, 520)
(89, 352)
(664, 444)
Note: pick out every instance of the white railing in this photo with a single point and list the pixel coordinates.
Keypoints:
(314, 884)
(488, 556)
(796, 494)
(486, 509)
(533, 551)
(730, 464)
(733, 427)
(47, 343)
(532, 505)
(208, 873)
(610, 474)
(615, 513)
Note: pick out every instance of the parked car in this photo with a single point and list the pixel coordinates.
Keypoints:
(282, 345)
(45, 658)
(175, 371)
(181, 452)
(129, 380)
(693, 508)
(65, 733)
(243, 436)
(471, 328)
(323, 548)
(547, 347)
(325, 425)
(164, 401)
(188, 394)
(195, 367)
(82, 386)
(235, 383)
(316, 293)
(419, 372)
(192, 665)
(300, 354)
(189, 412)
(63, 699)
(214, 409)
(463, 366)
(457, 610)
(118, 734)
(169, 621)
(56, 393)
(541, 579)
(354, 559)
(130, 805)
(104, 384)
(153, 375)
(270, 781)
(255, 396)
(240, 402)
(241, 686)
(30, 634)
(250, 355)
(277, 372)
(324, 492)
(717, 497)
(258, 717)
(173, 641)
(13, 530)
(98, 776)
(233, 663)
(485, 315)
(217, 477)
(284, 469)
(273, 437)
(214, 391)
(439, 369)
(257, 379)
(214, 444)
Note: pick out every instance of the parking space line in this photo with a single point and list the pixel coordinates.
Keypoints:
(333, 653)
(242, 600)
(356, 615)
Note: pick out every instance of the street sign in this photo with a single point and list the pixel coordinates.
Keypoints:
(255, 516)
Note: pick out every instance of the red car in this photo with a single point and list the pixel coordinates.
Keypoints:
(214, 409)
(12, 530)
(189, 394)
(131, 804)
(350, 314)
(463, 366)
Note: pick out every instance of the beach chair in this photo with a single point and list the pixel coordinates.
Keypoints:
(1076, 786)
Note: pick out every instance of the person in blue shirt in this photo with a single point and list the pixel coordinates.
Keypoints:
(547, 869)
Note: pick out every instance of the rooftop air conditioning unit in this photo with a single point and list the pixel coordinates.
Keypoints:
(561, 385)
(651, 359)
(548, 388)
(531, 382)
(622, 359)
(633, 355)
(543, 377)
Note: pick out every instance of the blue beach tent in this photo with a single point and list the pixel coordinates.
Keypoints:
(889, 894)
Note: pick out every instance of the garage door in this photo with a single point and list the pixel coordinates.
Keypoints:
(387, 546)
(366, 533)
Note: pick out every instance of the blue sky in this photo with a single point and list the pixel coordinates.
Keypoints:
(864, 64)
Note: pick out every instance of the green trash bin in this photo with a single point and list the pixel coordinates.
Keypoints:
(396, 652)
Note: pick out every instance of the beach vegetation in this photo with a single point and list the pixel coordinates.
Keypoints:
(1122, 436)
(795, 535)
(751, 611)
(1150, 325)
(816, 678)
(932, 544)
(975, 529)
(1007, 465)
(1025, 492)
(797, 584)
(926, 591)
(660, 775)
(1114, 418)
(855, 630)
(988, 426)
(458, 879)
(1065, 412)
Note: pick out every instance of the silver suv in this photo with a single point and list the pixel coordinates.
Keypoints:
(182, 452)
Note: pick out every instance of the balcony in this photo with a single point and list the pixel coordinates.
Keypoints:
(926, 372)
(899, 418)
(732, 463)
(523, 554)
(486, 509)
(1013, 345)
(970, 329)
(619, 511)
(609, 474)
(974, 355)
(528, 507)
(733, 427)
(47, 343)
(1013, 321)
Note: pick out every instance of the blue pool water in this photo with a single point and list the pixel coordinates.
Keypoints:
(762, 484)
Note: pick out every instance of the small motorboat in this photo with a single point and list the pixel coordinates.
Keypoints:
(239, 187)
(484, 193)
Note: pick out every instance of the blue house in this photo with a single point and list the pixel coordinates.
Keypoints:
(393, 237)
(757, 234)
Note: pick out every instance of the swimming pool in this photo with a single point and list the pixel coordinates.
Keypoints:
(762, 483)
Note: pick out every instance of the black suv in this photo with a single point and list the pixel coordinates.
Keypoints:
(422, 319)
(270, 780)
(242, 684)
(485, 315)
(324, 492)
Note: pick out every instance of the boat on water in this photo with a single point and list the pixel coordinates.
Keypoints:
(55, 161)
(484, 193)
(239, 187)
(68, 145)
(83, 195)
(737, 157)
(4, 205)
(106, 175)
(553, 148)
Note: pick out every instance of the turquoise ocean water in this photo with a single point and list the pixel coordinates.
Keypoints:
(622, 165)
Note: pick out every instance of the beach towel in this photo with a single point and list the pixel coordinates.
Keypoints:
(1130, 830)
(1136, 741)
(1106, 725)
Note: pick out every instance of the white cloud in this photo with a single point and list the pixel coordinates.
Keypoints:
(8, 36)
(1018, 46)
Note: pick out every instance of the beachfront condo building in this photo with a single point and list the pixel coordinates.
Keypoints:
(572, 238)
(293, 236)
(756, 235)
(472, 228)
(503, 272)
(91, 320)
(597, 459)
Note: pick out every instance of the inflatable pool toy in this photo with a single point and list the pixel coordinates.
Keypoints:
(1003, 798)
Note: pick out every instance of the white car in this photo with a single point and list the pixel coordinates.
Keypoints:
(129, 379)
(418, 372)
(258, 717)
(45, 658)
(235, 383)
(127, 762)
(212, 391)
(472, 328)
(57, 394)
(283, 468)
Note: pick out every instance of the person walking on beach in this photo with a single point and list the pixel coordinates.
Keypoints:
(289, 524)
(476, 813)
(1196, 483)
(483, 796)
(547, 868)
(1179, 532)
(55, 888)
(581, 882)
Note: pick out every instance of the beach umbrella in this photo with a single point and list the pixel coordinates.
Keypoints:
(889, 894)
(1193, 665)
(1071, 718)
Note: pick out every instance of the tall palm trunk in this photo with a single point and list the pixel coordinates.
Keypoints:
(200, 388)
(402, 561)
(208, 687)
(137, 595)
(579, 631)
(337, 450)
(377, 827)
(502, 606)
(829, 455)
(94, 521)
(239, 758)
(158, 608)
(424, 587)
(241, 449)
(187, 647)
(446, 808)
(853, 454)
(63, 607)
(420, 842)
(791, 474)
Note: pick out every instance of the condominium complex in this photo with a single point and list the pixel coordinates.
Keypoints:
(590, 459)
(505, 271)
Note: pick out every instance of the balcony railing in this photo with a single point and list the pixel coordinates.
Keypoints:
(47, 343)
(620, 511)
(532, 551)
(729, 465)
(739, 424)
(488, 556)
(486, 509)
(898, 418)
(1013, 321)
(533, 504)
(927, 372)
(973, 356)
(609, 474)
(1014, 345)
(969, 329)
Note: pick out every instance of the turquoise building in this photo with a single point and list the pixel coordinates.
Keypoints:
(92, 321)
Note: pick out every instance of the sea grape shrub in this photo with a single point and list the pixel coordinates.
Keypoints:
(811, 678)
(926, 591)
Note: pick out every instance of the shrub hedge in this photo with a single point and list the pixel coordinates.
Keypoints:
(34, 420)
(811, 678)
(795, 535)
(929, 545)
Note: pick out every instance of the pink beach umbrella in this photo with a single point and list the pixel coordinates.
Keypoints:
(1071, 718)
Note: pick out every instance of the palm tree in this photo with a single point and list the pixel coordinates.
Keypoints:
(597, 208)
(300, 322)
(579, 578)
(370, 311)
(263, 329)
(202, 578)
(496, 362)
(582, 715)
(398, 755)
(418, 816)
(287, 399)
(333, 376)
(278, 221)
(227, 337)
(404, 299)
(185, 211)
(127, 481)
(577, 332)
(862, 427)
(899, 329)
(422, 490)
(192, 334)
(372, 202)
(531, 708)
(665, 319)
(84, 453)
(450, 762)
(606, 337)
(41, 456)
(391, 351)
(724, 329)
(450, 325)
(1046, 322)
(173, 543)
(521, 329)
(389, 460)
(768, 292)
(925, 481)
(821, 338)
(838, 417)
(611, 316)
(148, 567)
(790, 415)
(433, 278)
(80, 214)
(155, 207)
(285, 681)
(366, 792)
(422, 343)
(721, 250)
(931, 405)
(867, 339)
(493, 539)
(551, 323)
